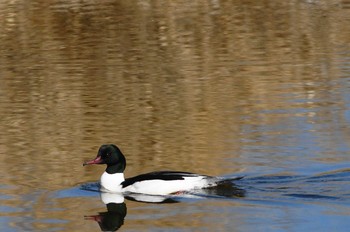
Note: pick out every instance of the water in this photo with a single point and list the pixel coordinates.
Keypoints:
(259, 89)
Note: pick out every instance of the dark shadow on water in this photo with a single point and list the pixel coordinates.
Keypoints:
(311, 196)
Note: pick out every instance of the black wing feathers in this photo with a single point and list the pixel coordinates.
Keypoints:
(162, 175)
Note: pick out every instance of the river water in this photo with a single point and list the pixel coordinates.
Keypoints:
(258, 89)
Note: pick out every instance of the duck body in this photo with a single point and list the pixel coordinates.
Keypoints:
(153, 183)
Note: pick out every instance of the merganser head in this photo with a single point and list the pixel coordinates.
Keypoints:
(111, 155)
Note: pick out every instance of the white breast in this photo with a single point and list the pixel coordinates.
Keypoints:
(111, 182)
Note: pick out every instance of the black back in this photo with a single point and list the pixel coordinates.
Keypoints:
(162, 175)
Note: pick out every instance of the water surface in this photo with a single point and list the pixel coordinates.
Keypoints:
(222, 88)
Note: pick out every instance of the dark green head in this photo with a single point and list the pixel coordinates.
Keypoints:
(111, 155)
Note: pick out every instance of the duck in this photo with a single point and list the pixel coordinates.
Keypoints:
(153, 183)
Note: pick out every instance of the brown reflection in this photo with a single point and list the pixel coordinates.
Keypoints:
(158, 82)
(173, 83)
(169, 82)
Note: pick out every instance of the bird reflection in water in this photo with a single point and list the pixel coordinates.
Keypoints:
(113, 218)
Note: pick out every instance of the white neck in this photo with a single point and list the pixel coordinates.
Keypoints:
(111, 182)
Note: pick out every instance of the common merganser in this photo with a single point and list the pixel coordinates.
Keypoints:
(153, 183)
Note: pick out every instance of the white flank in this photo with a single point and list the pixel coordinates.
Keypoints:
(165, 187)
(112, 183)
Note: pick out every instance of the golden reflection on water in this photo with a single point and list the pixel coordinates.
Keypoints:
(168, 82)
(173, 83)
